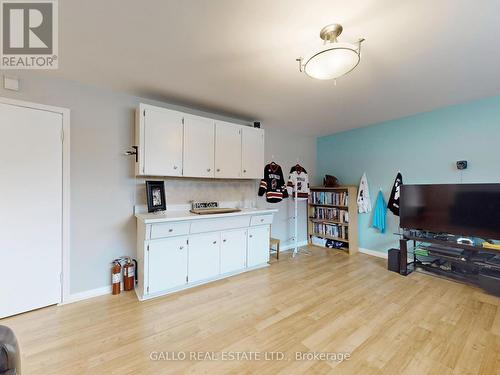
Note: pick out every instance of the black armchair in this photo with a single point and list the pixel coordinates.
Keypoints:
(10, 359)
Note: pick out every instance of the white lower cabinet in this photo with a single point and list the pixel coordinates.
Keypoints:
(177, 254)
(233, 251)
(258, 245)
(168, 263)
(204, 256)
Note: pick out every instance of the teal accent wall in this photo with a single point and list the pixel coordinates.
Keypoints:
(424, 147)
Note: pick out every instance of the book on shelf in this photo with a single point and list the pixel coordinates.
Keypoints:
(329, 198)
(331, 213)
(332, 230)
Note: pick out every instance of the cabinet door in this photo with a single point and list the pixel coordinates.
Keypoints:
(258, 245)
(204, 256)
(252, 152)
(233, 252)
(162, 142)
(167, 263)
(199, 147)
(227, 150)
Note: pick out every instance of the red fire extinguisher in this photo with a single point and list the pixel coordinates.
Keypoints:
(116, 272)
(128, 275)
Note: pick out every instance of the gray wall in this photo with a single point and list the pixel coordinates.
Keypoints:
(103, 187)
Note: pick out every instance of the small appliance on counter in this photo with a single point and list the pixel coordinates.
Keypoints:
(210, 208)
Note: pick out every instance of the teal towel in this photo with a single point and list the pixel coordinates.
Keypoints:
(379, 213)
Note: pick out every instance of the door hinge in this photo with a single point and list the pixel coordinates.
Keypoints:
(187, 278)
(187, 242)
(148, 247)
(144, 113)
(183, 121)
(147, 289)
(62, 135)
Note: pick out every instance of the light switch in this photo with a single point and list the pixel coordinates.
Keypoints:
(11, 83)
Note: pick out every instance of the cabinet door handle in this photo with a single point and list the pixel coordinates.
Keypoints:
(170, 230)
(244, 171)
(261, 220)
(182, 247)
(209, 169)
(224, 240)
(218, 169)
(214, 242)
(251, 236)
(175, 166)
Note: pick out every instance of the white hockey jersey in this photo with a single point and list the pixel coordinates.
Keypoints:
(364, 202)
(298, 181)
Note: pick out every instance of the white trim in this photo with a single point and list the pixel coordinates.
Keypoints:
(374, 253)
(75, 297)
(65, 282)
(292, 246)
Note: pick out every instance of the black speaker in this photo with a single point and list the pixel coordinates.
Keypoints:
(490, 281)
(256, 124)
(393, 260)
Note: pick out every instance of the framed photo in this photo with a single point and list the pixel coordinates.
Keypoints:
(155, 193)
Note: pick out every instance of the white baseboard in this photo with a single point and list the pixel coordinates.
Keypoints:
(292, 245)
(374, 253)
(75, 297)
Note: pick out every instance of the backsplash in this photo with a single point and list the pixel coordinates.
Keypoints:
(183, 190)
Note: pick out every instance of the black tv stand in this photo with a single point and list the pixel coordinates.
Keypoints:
(460, 262)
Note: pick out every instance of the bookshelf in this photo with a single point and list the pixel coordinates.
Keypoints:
(332, 214)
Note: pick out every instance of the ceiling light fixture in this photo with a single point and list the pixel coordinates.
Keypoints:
(333, 60)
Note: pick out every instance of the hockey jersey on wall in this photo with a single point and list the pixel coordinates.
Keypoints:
(298, 181)
(273, 184)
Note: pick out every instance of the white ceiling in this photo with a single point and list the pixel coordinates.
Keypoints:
(237, 57)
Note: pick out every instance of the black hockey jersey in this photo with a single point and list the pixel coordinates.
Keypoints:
(273, 184)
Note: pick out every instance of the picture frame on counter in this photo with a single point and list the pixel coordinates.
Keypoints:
(155, 196)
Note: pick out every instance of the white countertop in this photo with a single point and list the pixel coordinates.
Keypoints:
(186, 215)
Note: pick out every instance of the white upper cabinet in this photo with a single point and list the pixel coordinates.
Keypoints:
(252, 152)
(199, 147)
(160, 142)
(172, 143)
(227, 150)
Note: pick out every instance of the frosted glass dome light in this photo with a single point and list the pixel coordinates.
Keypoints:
(334, 59)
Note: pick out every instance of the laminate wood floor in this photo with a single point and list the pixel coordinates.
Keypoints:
(328, 302)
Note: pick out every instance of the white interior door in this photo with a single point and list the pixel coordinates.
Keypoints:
(162, 142)
(252, 152)
(198, 147)
(167, 262)
(204, 256)
(233, 251)
(258, 245)
(227, 150)
(30, 209)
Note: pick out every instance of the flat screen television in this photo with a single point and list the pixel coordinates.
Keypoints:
(461, 209)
